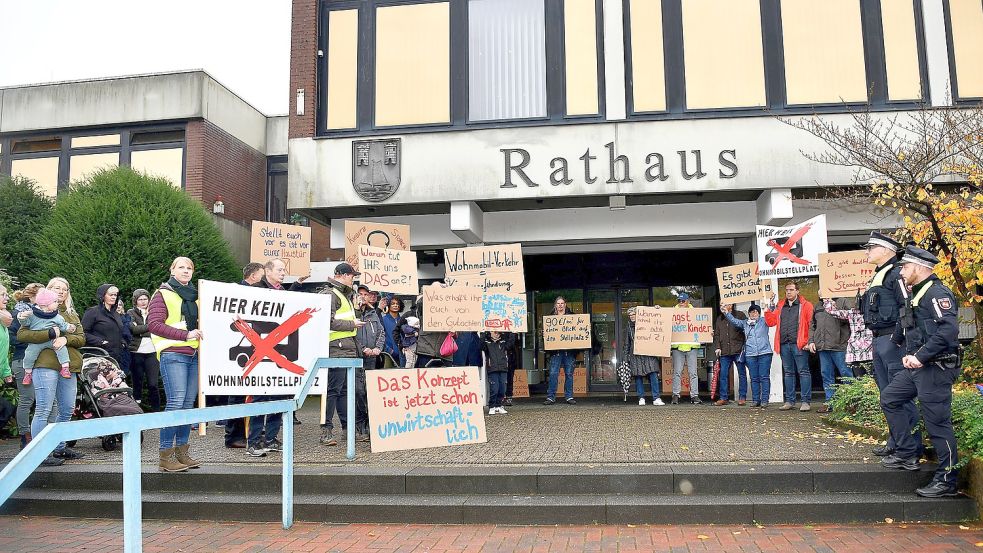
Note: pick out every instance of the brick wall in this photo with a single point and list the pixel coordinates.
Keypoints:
(303, 66)
(218, 164)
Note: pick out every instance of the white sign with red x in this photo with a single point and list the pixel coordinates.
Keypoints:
(792, 251)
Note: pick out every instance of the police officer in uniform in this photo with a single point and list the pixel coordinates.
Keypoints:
(928, 330)
(881, 305)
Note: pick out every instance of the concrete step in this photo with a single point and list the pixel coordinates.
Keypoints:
(797, 508)
(705, 479)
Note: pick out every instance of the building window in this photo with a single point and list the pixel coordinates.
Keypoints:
(156, 137)
(966, 23)
(342, 69)
(723, 54)
(412, 72)
(167, 163)
(82, 165)
(35, 145)
(94, 141)
(824, 52)
(580, 53)
(506, 59)
(41, 170)
(648, 75)
(901, 50)
(276, 190)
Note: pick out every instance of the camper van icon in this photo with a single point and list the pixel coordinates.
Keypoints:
(774, 255)
(241, 353)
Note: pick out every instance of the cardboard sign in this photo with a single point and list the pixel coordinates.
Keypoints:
(388, 270)
(492, 268)
(769, 286)
(260, 341)
(692, 325)
(844, 274)
(793, 251)
(418, 408)
(566, 332)
(379, 235)
(520, 383)
(504, 311)
(739, 283)
(653, 331)
(452, 309)
(579, 382)
(291, 243)
(667, 378)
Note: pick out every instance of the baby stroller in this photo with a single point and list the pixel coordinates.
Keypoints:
(104, 392)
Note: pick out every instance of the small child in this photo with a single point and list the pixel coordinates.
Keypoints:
(497, 367)
(411, 332)
(44, 316)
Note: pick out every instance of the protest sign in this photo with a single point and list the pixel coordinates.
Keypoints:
(653, 331)
(520, 383)
(260, 341)
(579, 381)
(388, 270)
(739, 283)
(769, 286)
(493, 268)
(418, 408)
(566, 332)
(844, 274)
(791, 251)
(692, 325)
(504, 311)
(291, 243)
(379, 235)
(452, 309)
(667, 377)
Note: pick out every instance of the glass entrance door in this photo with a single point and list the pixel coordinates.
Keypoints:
(609, 319)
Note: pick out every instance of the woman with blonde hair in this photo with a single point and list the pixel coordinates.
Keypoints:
(48, 385)
(172, 320)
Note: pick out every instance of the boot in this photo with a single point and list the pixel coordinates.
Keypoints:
(181, 454)
(168, 463)
(25, 439)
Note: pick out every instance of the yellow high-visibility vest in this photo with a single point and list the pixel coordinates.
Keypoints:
(345, 312)
(174, 319)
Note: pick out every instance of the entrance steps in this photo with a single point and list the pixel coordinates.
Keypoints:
(617, 494)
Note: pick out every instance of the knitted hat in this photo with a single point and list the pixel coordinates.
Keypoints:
(139, 292)
(413, 321)
(45, 297)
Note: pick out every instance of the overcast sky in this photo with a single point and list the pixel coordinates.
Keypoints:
(245, 44)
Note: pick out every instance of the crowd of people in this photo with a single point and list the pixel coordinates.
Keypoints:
(904, 329)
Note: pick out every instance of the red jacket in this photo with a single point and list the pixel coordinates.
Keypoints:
(774, 318)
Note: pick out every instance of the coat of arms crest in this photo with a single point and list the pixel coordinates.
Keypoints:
(375, 168)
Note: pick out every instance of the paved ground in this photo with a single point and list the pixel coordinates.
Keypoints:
(596, 431)
(40, 534)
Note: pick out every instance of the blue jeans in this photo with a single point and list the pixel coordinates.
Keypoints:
(496, 388)
(48, 387)
(796, 360)
(564, 359)
(760, 368)
(654, 382)
(831, 363)
(180, 375)
(724, 384)
(264, 428)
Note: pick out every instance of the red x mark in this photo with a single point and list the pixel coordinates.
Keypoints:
(785, 251)
(264, 348)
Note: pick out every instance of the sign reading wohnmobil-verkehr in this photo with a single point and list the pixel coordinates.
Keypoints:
(258, 341)
(792, 251)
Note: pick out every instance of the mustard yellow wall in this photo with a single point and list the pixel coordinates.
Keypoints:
(580, 46)
(648, 73)
(967, 45)
(342, 68)
(901, 50)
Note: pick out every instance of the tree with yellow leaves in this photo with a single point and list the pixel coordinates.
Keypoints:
(926, 166)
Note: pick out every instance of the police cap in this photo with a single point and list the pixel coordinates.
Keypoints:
(883, 240)
(913, 254)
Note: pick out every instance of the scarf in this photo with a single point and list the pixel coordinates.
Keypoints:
(189, 309)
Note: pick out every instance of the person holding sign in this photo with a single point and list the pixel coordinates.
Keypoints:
(728, 344)
(561, 358)
(793, 317)
(685, 352)
(757, 351)
(173, 323)
(642, 365)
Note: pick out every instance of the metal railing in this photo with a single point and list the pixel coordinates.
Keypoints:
(130, 426)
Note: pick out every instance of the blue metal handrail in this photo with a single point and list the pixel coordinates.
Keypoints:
(130, 426)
